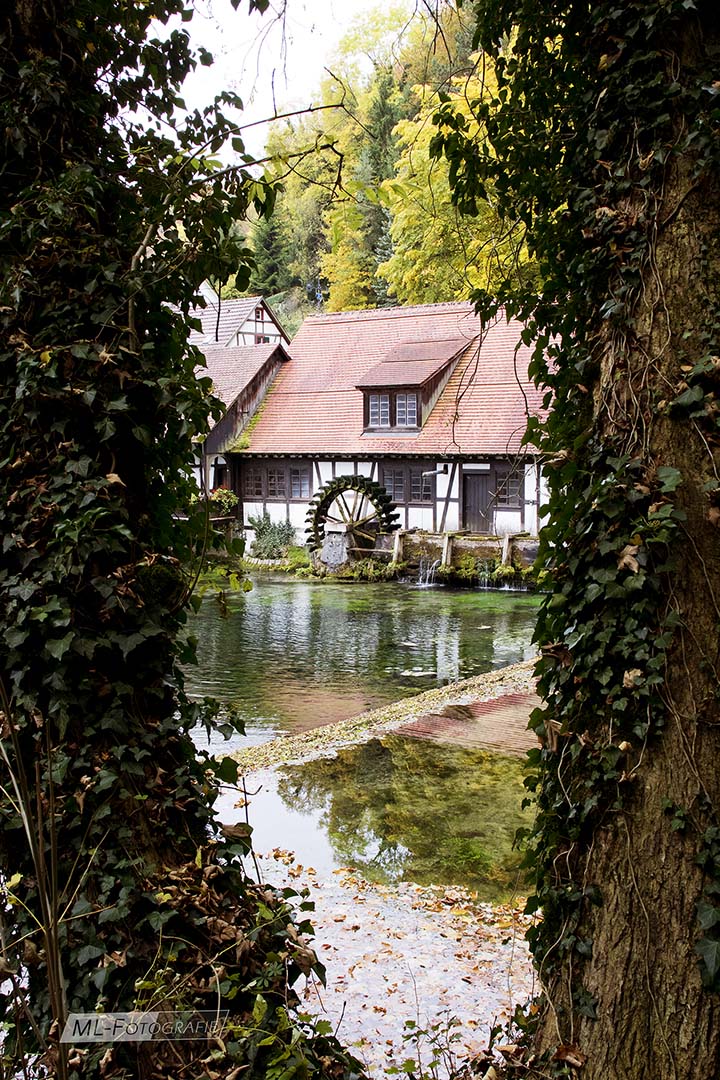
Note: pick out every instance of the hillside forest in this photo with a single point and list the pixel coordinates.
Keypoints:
(363, 214)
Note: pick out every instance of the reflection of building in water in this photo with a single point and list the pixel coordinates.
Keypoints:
(447, 649)
(292, 654)
(511, 641)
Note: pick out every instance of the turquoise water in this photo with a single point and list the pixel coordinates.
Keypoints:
(292, 655)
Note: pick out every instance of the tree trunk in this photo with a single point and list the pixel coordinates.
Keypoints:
(643, 1011)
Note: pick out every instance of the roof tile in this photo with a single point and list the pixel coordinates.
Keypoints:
(315, 407)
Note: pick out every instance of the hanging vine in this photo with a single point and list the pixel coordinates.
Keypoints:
(119, 890)
(603, 139)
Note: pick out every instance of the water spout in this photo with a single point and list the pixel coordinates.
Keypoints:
(426, 572)
(486, 573)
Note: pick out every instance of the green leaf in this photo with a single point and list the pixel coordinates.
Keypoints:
(669, 478)
(60, 646)
(708, 949)
(89, 952)
(708, 915)
(227, 770)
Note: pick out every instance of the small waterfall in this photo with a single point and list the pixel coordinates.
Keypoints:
(426, 572)
(486, 573)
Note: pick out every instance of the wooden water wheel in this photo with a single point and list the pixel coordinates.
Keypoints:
(355, 505)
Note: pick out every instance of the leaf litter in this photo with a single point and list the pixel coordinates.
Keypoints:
(411, 971)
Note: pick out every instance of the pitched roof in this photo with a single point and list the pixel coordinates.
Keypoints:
(315, 407)
(221, 322)
(231, 370)
(412, 363)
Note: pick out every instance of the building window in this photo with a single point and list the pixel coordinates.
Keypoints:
(421, 486)
(261, 339)
(259, 314)
(406, 410)
(392, 410)
(405, 483)
(300, 483)
(394, 484)
(508, 488)
(252, 483)
(276, 484)
(379, 410)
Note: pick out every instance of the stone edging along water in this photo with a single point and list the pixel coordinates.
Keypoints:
(324, 741)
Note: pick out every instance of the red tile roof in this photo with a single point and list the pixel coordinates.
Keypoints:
(413, 363)
(315, 408)
(232, 369)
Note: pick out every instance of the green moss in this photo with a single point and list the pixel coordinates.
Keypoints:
(243, 440)
(297, 559)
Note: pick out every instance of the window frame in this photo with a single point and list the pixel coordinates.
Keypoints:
(273, 481)
(390, 396)
(411, 470)
(503, 477)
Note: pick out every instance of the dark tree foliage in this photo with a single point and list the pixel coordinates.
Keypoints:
(271, 249)
(118, 890)
(603, 140)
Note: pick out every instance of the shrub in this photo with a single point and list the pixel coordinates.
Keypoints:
(272, 538)
(222, 501)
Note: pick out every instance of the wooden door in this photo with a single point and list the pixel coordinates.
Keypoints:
(477, 512)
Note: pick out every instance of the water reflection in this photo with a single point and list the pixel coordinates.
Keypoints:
(399, 809)
(293, 654)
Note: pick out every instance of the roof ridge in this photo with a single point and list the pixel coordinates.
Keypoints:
(398, 311)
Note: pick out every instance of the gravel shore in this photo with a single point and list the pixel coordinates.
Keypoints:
(323, 741)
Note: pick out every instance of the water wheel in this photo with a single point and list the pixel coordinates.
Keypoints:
(355, 505)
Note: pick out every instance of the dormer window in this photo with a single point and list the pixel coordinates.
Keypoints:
(392, 409)
(401, 390)
(379, 410)
(406, 410)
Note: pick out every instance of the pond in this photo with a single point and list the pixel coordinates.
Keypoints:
(395, 809)
(291, 655)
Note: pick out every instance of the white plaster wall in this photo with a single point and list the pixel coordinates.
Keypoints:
(452, 518)
(251, 509)
(531, 510)
(325, 472)
(297, 514)
(544, 496)
(507, 521)
(442, 481)
(364, 468)
(420, 517)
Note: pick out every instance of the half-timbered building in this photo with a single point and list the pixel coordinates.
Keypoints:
(424, 401)
(248, 320)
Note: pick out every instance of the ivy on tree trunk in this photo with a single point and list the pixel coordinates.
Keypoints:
(603, 140)
(118, 889)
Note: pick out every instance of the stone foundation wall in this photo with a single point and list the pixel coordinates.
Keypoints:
(521, 551)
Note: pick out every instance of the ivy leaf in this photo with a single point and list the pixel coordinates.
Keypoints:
(89, 952)
(627, 560)
(227, 770)
(708, 915)
(688, 398)
(669, 478)
(60, 646)
(708, 949)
